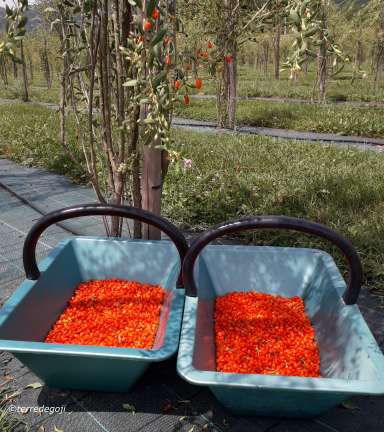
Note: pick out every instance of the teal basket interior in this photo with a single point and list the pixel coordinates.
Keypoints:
(351, 361)
(28, 316)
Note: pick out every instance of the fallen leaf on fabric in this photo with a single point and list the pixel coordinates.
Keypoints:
(204, 427)
(24, 411)
(10, 358)
(349, 405)
(57, 430)
(7, 377)
(193, 427)
(182, 418)
(168, 407)
(129, 407)
(61, 394)
(34, 385)
(37, 414)
(186, 401)
(42, 428)
(195, 412)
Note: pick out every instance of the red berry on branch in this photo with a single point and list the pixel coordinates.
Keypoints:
(188, 68)
(209, 45)
(167, 40)
(177, 84)
(206, 54)
(198, 83)
(167, 60)
(187, 100)
(228, 59)
(147, 25)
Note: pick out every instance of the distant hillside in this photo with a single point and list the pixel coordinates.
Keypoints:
(34, 18)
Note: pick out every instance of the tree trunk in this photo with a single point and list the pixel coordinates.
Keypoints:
(30, 67)
(295, 74)
(25, 79)
(151, 171)
(46, 65)
(266, 60)
(232, 90)
(14, 70)
(5, 73)
(381, 53)
(323, 49)
(277, 50)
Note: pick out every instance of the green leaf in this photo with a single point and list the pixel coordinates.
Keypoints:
(151, 59)
(147, 101)
(34, 385)
(244, 40)
(8, 10)
(22, 22)
(150, 8)
(312, 31)
(296, 19)
(15, 59)
(318, 42)
(137, 3)
(161, 147)
(302, 61)
(130, 83)
(349, 405)
(129, 408)
(150, 121)
(158, 78)
(311, 53)
(158, 37)
(336, 73)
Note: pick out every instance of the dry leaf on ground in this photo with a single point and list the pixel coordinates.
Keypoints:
(34, 385)
(168, 407)
(7, 377)
(129, 408)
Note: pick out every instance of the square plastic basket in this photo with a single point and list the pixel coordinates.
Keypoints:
(351, 361)
(28, 316)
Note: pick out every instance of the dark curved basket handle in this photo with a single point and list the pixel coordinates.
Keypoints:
(262, 222)
(29, 256)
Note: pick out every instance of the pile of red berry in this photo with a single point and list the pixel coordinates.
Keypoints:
(113, 313)
(257, 333)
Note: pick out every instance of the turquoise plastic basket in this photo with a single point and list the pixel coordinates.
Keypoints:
(351, 361)
(28, 316)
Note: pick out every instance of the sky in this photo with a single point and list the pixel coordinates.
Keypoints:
(10, 3)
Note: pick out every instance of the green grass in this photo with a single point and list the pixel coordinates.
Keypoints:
(9, 422)
(32, 137)
(38, 79)
(252, 83)
(339, 119)
(16, 92)
(240, 175)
